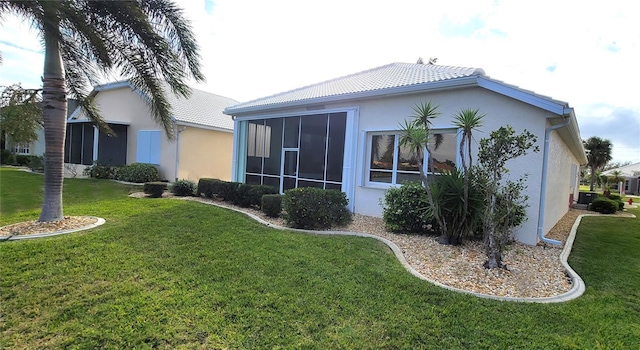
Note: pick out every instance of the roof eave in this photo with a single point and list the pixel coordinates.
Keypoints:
(468, 81)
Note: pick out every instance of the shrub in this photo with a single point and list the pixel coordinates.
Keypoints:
(315, 208)
(139, 173)
(272, 205)
(251, 195)
(405, 209)
(614, 196)
(155, 189)
(98, 171)
(604, 205)
(5, 156)
(227, 190)
(183, 188)
(208, 187)
(448, 195)
(620, 205)
(36, 163)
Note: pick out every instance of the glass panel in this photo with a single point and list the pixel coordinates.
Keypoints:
(407, 177)
(273, 139)
(76, 143)
(335, 152)
(312, 146)
(443, 157)
(329, 186)
(382, 152)
(380, 176)
(252, 179)
(407, 159)
(291, 132)
(271, 181)
(302, 183)
(255, 146)
(288, 183)
(291, 163)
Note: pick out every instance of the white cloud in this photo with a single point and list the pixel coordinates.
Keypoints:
(254, 48)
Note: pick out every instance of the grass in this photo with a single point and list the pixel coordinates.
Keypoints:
(177, 274)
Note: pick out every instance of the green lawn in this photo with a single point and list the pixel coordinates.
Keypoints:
(178, 274)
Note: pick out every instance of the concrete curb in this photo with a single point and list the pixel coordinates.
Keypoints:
(577, 282)
(42, 235)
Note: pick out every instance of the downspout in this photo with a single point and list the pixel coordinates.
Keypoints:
(180, 130)
(543, 181)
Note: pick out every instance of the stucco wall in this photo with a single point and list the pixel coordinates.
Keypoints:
(559, 181)
(126, 106)
(386, 114)
(205, 153)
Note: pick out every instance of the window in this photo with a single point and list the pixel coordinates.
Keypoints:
(148, 150)
(626, 185)
(22, 148)
(296, 151)
(390, 163)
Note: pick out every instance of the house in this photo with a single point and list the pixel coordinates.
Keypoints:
(631, 174)
(343, 134)
(202, 147)
(36, 147)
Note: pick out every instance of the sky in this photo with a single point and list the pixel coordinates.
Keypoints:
(586, 53)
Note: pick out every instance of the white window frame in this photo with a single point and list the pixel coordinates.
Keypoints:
(22, 148)
(369, 149)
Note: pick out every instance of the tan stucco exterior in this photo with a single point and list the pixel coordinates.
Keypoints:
(205, 153)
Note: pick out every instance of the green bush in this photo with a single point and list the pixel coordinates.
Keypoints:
(155, 189)
(272, 205)
(36, 163)
(615, 196)
(251, 195)
(620, 205)
(208, 187)
(182, 188)
(98, 171)
(406, 209)
(5, 156)
(315, 208)
(228, 191)
(604, 205)
(448, 195)
(138, 173)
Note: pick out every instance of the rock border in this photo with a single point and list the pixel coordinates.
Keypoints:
(576, 291)
(99, 222)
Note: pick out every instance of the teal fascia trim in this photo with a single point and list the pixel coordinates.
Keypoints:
(545, 103)
(241, 154)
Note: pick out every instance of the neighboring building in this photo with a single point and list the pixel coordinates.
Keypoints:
(631, 174)
(202, 147)
(343, 134)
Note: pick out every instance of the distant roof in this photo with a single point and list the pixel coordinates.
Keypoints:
(394, 75)
(631, 170)
(201, 108)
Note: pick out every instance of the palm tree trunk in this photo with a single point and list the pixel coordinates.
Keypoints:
(55, 123)
(593, 178)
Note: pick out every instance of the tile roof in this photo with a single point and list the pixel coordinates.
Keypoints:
(394, 75)
(202, 108)
(630, 170)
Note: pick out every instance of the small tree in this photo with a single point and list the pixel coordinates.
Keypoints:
(20, 115)
(454, 221)
(503, 199)
(598, 155)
